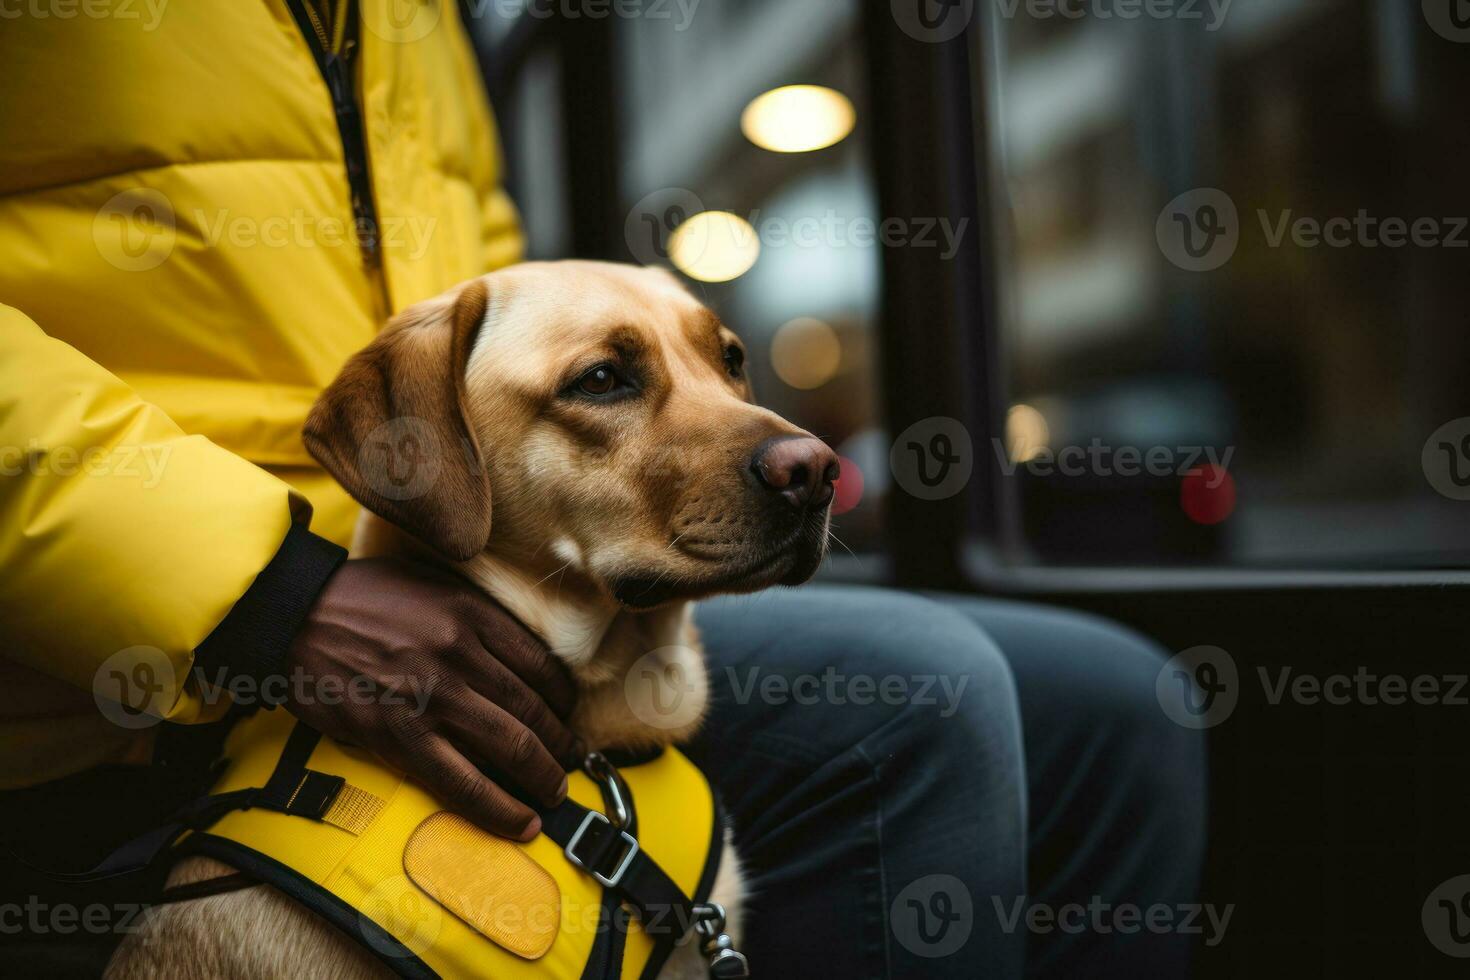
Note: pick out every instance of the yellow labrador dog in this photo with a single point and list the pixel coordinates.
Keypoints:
(599, 464)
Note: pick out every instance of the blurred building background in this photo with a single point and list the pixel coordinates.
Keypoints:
(1325, 368)
(1315, 374)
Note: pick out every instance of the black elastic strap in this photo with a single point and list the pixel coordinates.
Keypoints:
(143, 850)
(204, 889)
(292, 788)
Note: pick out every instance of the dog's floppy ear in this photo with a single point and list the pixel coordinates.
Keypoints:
(392, 427)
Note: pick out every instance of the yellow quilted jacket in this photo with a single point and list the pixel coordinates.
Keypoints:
(187, 255)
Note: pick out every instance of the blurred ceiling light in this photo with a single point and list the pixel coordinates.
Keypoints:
(806, 353)
(798, 118)
(1027, 433)
(714, 246)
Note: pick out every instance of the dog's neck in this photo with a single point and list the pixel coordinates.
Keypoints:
(640, 675)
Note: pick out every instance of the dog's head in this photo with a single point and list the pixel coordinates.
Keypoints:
(606, 414)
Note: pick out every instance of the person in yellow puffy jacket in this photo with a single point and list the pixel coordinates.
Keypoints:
(204, 210)
(192, 247)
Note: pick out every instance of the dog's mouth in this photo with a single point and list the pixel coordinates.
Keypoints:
(791, 562)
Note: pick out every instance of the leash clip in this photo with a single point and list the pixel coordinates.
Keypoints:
(598, 830)
(616, 798)
(725, 961)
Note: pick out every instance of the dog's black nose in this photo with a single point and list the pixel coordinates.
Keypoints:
(800, 468)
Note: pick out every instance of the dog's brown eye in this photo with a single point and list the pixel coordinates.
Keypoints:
(599, 381)
(734, 361)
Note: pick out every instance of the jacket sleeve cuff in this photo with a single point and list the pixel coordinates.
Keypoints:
(253, 638)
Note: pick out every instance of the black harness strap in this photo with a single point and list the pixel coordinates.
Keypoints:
(207, 888)
(602, 850)
(292, 788)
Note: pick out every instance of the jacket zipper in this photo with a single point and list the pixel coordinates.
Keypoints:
(336, 69)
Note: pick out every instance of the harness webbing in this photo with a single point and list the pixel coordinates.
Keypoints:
(292, 788)
(663, 908)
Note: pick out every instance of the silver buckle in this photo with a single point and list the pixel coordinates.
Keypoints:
(608, 881)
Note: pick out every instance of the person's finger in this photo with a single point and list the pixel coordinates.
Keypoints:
(487, 675)
(526, 656)
(491, 735)
(466, 790)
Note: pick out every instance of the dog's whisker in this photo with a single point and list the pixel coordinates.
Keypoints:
(833, 535)
(548, 575)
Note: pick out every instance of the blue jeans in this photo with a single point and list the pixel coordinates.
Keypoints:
(911, 778)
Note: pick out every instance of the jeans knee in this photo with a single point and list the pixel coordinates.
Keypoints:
(1113, 702)
(923, 660)
(947, 695)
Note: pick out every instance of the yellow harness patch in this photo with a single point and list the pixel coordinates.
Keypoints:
(430, 893)
(486, 881)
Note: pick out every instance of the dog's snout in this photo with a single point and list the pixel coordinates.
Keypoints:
(799, 468)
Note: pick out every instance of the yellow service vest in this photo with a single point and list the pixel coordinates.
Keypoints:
(378, 857)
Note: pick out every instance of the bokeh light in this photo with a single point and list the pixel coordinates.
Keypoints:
(1027, 433)
(847, 492)
(798, 118)
(1207, 494)
(714, 246)
(806, 353)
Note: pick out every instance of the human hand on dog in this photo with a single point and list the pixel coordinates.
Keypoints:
(488, 692)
